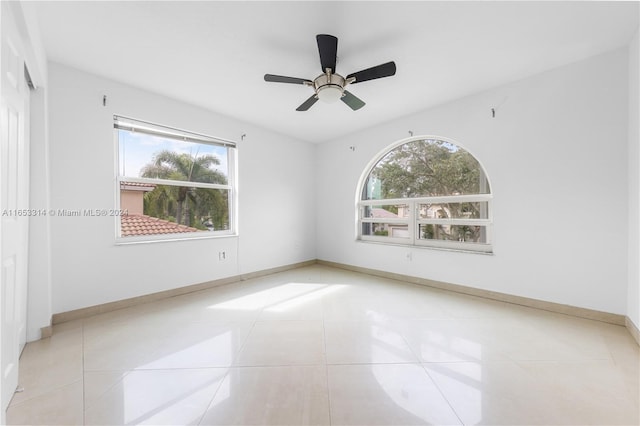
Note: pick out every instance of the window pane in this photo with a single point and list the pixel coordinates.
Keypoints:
(460, 233)
(425, 168)
(381, 229)
(144, 155)
(397, 211)
(165, 209)
(473, 210)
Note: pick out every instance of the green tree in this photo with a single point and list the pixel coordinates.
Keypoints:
(431, 168)
(187, 204)
(428, 168)
(161, 202)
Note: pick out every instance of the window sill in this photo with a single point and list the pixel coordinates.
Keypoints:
(422, 247)
(127, 241)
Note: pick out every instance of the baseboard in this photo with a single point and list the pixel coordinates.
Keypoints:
(277, 269)
(46, 332)
(633, 329)
(493, 295)
(147, 298)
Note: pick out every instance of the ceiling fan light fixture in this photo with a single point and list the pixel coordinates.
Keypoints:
(329, 93)
(329, 87)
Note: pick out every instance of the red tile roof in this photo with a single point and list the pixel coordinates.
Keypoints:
(382, 213)
(139, 224)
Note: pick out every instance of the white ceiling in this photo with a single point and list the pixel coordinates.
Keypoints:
(214, 54)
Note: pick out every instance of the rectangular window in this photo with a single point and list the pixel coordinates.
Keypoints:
(459, 222)
(386, 222)
(172, 184)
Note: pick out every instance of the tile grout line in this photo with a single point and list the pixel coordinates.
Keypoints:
(326, 363)
(442, 393)
(244, 343)
(228, 369)
(84, 408)
(204, 413)
(84, 371)
(54, 389)
(421, 363)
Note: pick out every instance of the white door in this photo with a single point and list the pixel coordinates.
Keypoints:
(14, 199)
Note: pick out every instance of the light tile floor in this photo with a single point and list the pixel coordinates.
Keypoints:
(318, 345)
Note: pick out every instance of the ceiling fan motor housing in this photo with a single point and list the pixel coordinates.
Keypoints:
(329, 87)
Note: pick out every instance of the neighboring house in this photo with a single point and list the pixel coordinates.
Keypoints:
(132, 196)
(135, 222)
(379, 213)
(391, 230)
(432, 211)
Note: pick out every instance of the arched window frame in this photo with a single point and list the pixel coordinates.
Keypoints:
(412, 220)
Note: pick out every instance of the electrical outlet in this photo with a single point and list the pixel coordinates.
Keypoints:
(222, 255)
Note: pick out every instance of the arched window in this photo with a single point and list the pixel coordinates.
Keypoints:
(427, 191)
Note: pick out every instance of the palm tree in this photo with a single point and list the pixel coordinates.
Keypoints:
(171, 165)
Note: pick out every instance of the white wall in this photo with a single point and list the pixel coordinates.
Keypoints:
(39, 290)
(556, 157)
(38, 276)
(633, 295)
(277, 227)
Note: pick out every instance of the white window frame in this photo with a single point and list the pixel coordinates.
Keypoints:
(413, 219)
(131, 124)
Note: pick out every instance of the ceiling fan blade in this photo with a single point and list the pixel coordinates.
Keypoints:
(354, 102)
(328, 48)
(308, 103)
(283, 79)
(384, 70)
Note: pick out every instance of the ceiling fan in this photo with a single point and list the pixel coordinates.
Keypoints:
(329, 86)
